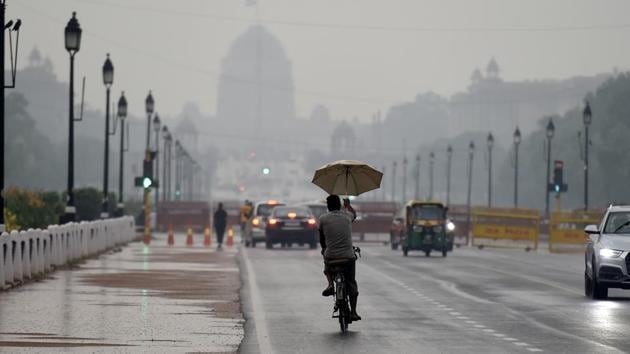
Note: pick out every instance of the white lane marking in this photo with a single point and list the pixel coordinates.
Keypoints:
(521, 344)
(510, 339)
(534, 350)
(454, 313)
(471, 322)
(488, 330)
(264, 342)
(500, 335)
(479, 326)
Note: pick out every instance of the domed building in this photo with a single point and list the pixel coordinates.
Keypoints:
(255, 94)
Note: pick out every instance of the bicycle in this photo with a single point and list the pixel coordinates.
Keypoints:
(342, 299)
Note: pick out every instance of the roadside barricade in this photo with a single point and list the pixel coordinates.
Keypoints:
(566, 229)
(505, 227)
(25, 254)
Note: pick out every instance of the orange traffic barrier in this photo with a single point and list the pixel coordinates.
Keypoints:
(230, 235)
(189, 237)
(171, 237)
(207, 239)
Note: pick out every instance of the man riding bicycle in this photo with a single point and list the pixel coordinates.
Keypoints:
(335, 237)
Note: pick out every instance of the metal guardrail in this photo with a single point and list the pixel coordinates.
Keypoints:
(26, 254)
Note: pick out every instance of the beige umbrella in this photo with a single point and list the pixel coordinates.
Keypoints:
(347, 177)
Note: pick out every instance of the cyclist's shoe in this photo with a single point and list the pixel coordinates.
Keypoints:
(329, 291)
(355, 317)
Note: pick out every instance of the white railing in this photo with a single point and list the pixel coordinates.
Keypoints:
(25, 254)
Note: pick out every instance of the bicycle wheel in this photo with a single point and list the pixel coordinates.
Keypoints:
(343, 322)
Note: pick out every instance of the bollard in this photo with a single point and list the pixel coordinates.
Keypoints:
(171, 238)
(207, 238)
(189, 237)
(230, 235)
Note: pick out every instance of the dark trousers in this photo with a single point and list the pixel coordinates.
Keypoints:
(348, 269)
(220, 232)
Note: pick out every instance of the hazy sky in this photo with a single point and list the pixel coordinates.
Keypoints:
(354, 56)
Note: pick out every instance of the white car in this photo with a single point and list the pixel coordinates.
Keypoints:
(606, 261)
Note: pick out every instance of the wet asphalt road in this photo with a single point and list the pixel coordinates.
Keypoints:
(473, 301)
(142, 299)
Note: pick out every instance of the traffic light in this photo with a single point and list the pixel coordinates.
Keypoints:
(558, 184)
(146, 181)
(266, 170)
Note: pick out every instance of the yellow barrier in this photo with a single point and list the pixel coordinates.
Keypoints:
(566, 230)
(505, 227)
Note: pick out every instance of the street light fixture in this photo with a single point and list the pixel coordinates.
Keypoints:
(149, 105)
(449, 156)
(72, 35)
(108, 80)
(490, 141)
(517, 143)
(550, 132)
(587, 116)
(122, 114)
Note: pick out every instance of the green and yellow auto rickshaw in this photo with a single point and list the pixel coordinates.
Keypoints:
(427, 228)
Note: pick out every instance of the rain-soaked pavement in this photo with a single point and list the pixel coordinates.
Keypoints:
(473, 301)
(144, 298)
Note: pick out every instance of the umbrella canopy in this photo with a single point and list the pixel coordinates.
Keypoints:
(347, 177)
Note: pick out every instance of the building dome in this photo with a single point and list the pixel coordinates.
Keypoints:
(256, 83)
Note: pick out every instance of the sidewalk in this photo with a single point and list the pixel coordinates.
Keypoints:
(146, 298)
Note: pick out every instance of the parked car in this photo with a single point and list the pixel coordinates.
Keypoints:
(255, 227)
(607, 257)
(291, 224)
(317, 208)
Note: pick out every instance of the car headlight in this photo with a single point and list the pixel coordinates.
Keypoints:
(450, 226)
(609, 253)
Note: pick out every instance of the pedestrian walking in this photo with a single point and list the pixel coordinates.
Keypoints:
(220, 223)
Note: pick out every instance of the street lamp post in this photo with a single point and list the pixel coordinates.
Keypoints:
(149, 105)
(108, 80)
(178, 172)
(156, 127)
(587, 116)
(417, 175)
(431, 163)
(165, 160)
(471, 154)
(122, 114)
(490, 142)
(72, 36)
(550, 131)
(394, 181)
(383, 186)
(6, 27)
(404, 179)
(517, 143)
(449, 156)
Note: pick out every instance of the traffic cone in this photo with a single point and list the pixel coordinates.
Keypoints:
(230, 240)
(171, 237)
(207, 239)
(189, 237)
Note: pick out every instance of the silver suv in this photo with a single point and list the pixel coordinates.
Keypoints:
(607, 260)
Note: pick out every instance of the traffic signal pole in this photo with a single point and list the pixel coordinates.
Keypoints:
(147, 205)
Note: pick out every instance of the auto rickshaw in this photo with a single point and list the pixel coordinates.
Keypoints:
(427, 228)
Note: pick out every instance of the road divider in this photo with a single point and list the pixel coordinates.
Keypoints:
(566, 230)
(505, 227)
(27, 254)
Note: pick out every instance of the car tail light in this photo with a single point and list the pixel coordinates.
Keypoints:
(312, 221)
(273, 221)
